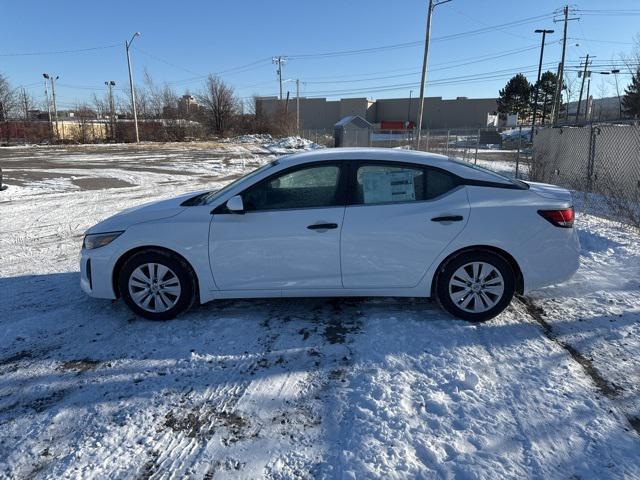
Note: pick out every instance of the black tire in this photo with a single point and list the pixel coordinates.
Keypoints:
(448, 269)
(177, 265)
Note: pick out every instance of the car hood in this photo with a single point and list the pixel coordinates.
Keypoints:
(552, 192)
(143, 213)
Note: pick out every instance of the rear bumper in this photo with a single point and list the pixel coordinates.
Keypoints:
(553, 256)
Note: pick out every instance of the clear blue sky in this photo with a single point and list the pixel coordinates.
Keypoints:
(182, 41)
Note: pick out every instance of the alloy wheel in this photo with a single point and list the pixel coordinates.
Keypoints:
(154, 287)
(476, 287)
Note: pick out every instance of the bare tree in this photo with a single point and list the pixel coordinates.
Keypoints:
(86, 127)
(101, 105)
(163, 101)
(143, 107)
(8, 99)
(218, 105)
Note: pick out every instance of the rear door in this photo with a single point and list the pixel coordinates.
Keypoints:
(289, 235)
(399, 218)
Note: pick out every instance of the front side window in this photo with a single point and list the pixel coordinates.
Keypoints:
(380, 183)
(315, 186)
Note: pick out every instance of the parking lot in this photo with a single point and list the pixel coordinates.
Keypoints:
(306, 388)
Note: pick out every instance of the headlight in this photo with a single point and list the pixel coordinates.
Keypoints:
(97, 240)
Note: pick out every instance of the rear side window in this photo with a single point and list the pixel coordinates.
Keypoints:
(315, 186)
(386, 183)
(438, 183)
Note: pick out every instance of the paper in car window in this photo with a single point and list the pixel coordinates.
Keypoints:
(384, 186)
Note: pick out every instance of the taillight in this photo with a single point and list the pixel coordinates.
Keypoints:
(560, 218)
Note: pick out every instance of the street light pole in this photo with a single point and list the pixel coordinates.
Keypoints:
(46, 97)
(615, 75)
(133, 92)
(535, 101)
(425, 59)
(110, 84)
(298, 106)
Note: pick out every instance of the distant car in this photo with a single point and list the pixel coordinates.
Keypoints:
(339, 222)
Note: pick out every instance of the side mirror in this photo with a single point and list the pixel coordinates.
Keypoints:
(235, 204)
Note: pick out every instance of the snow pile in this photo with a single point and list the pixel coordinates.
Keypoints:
(289, 144)
(512, 134)
(253, 138)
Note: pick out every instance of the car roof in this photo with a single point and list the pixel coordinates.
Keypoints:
(371, 153)
(393, 155)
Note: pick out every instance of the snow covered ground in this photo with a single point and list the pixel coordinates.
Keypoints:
(299, 388)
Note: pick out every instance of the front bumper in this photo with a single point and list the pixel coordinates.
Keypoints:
(96, 269)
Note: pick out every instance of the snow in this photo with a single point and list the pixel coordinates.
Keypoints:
(253, 138)
(294, 388)
(291, 144)
(512, 134)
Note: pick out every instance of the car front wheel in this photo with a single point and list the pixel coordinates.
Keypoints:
(157, 285)
(476, 285)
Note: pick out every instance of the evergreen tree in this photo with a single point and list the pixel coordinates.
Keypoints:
(546, 91)
(515, 97)
(631, 99)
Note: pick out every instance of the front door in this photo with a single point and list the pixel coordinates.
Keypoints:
(400, 219)
(289, 235)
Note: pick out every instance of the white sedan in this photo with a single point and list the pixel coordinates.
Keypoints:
(339, 222)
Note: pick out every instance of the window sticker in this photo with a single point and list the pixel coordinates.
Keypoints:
(388, 186)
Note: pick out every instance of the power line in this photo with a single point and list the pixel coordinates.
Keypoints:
(479, 59)
(439, 82)
(166, 62)
(231, 71)
(607, 12)
(57, 52)
(452, 36)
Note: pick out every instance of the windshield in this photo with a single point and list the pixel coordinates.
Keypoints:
(208, 197)
(491, 172)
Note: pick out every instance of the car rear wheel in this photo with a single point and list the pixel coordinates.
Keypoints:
(157, 285)
(476, 285)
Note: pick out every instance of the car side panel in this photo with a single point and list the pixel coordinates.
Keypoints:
(187, 234)
(508, 220)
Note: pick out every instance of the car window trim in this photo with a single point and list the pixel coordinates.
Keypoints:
(341, 189)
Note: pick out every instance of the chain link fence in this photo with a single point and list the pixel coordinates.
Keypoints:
(600, 163)
(504, 150)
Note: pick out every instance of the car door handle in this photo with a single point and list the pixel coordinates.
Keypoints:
(323, 226)
(448, 218)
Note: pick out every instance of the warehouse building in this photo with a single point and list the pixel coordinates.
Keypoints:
(320, 113)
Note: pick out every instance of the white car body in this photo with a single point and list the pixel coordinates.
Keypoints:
(388, 249)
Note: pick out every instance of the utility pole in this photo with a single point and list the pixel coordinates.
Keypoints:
(127, 46)
(535, 101)
(409, 109)
(584, 76)
(558, 95)
(52, 79)
(112, 111)
(587, 108)
(425, 59)
(25, 104)
(279, 61)
(298, 106)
